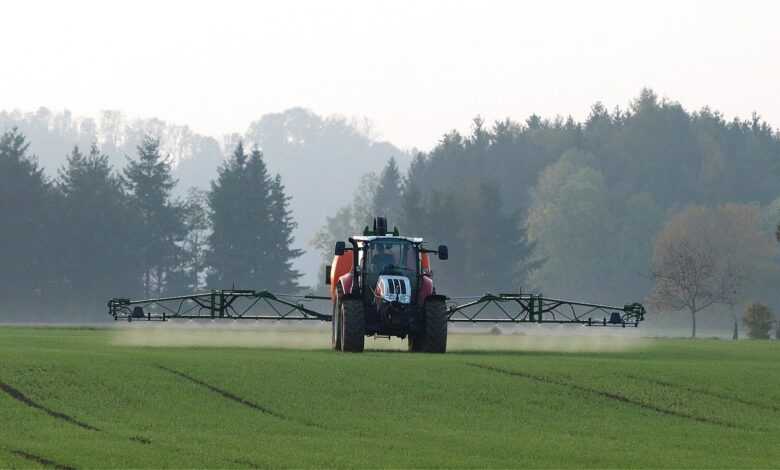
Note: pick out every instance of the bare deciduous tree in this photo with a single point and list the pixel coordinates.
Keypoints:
(706, 256)
(685, 279)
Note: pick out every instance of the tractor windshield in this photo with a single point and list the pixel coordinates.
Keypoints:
(392, 257)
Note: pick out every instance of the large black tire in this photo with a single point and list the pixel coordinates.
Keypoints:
(435, 326)
(353, 325)
(433, 335)
(335, 336)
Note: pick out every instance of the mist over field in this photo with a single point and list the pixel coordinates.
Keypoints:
(285, 336)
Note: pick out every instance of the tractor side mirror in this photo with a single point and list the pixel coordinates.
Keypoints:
(340, 248)
(443, 252)
(327, 275)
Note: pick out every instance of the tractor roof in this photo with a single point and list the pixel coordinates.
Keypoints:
(370, 238)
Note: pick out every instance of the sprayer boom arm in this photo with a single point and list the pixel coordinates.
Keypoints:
(218, 304)
(530, 308)
(233, 304)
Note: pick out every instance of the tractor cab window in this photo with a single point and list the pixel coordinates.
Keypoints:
(392, 257)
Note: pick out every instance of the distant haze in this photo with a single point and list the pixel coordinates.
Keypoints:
(416, 69)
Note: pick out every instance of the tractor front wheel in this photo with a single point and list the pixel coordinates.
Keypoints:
(432, 337)
(435, 326)
(353, 325)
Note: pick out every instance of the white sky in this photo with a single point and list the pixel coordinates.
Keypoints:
(416, 69)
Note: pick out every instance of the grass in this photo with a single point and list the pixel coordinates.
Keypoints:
(669, 403)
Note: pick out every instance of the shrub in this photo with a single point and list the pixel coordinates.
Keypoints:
(758, 319)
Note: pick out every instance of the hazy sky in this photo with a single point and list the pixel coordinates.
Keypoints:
(416, 69)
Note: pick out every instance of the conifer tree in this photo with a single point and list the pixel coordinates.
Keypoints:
(161, 228)
(239, 203)
(282, 225)
(499, 253)
(27, 207)
(251, 237)
(413, 213)
(98, 256)
(222, 253)
(190, 265)
(387, 198)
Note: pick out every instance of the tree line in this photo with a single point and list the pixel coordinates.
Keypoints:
(601, 209)
(585, 210)
(303, 147)
(71, 242)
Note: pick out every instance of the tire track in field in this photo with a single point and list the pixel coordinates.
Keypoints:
(247, 463)
(231, 396)
(19, 396)
(41, 460)
(606, 394)
(701, 391)
(140, 439)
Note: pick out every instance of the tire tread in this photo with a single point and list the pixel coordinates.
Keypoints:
(354, 325)
(435, 326)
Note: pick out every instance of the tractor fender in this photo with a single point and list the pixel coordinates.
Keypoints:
(343, 292)
(426, 289)
(345, 284)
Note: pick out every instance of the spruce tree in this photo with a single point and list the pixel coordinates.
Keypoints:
(414, 214)
(250, 242)
(387, 198)
(239, 209)
(282, 254)
(414, 217)
(186, 274)
(98, 252)
(444, 226)
(161, 228)
(500, 252)
(27, 209)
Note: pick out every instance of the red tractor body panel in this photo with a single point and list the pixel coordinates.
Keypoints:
(426, 289)
(342, 264)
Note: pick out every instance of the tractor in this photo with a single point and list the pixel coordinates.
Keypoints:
(382, 285)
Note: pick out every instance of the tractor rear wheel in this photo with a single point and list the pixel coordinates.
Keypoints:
(435, 326)
(353, 325)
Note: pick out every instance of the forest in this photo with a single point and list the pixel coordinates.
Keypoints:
(580, 209)
(593, 209)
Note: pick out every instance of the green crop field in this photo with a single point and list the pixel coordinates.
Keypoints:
(78, 398)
